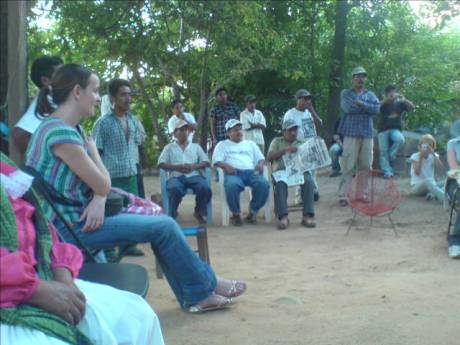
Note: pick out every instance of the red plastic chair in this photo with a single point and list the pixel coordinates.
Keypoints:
(372, 195)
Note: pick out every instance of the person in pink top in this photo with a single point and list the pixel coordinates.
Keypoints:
(42, 302)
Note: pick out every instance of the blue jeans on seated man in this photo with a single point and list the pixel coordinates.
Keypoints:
(388, 153)
(191, 279)
(234, 185)
(177, 188)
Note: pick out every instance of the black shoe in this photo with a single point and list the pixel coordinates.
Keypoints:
(251, 218)
(335, 173)
(236, 220)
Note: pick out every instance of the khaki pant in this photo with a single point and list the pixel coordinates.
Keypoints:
(357, 155)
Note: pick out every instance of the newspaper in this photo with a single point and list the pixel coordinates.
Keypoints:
(311, 155)
(290, 180)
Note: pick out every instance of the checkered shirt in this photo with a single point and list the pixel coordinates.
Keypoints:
(221, 114)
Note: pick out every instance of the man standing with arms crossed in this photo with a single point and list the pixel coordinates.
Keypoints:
(358, 106)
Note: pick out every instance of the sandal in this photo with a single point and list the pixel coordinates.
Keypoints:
(236, 289)
(197, 308)
(343, 203)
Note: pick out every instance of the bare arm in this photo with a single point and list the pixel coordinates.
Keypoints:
(21, 138)
(226, 167)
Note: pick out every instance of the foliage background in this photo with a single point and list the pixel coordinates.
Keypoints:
(269, 48)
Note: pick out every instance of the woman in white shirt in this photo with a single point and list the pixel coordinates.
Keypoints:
(422, 179)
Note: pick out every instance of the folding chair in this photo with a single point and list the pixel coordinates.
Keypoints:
(165, 196)
(128, 277)
(268, 207)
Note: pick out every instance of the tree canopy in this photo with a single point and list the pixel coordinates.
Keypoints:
(186, 49)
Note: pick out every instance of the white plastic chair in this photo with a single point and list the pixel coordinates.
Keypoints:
(225, 211)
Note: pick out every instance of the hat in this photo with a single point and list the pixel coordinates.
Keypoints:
(220, 89)
(179, 124)
(250, 98)
(358, 70)
(302, 93)
(288, 124)
(231, 123)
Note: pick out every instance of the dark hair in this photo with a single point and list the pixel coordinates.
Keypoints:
(173, 103)
(115, 84)
(220, 89)
(390, 88)
(44, 67)
(64, 80)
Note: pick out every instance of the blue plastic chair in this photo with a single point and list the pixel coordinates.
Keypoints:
(165, 196)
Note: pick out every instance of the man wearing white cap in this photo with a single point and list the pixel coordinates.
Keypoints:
(243, 165)
(185, 161)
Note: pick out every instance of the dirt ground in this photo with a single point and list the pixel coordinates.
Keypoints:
(318, 286)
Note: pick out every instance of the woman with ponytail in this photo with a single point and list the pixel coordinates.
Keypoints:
(70, 162)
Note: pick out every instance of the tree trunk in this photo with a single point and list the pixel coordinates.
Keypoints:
(159, 131)
(203, 123)
(338, 58)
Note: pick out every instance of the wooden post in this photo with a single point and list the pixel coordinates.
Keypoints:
(17, 68)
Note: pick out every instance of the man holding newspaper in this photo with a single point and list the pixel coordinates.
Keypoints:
(292, 162)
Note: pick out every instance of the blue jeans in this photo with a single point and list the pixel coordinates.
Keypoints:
(177, 188)
(191, 279)
(234, 185)
(335, 151)
(388, 153)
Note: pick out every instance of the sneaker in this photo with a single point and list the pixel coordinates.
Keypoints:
(236, 220)
(201, 220)
(454, 251)
(335, 173)
(283, 223)
(308, 222)
(251, 218)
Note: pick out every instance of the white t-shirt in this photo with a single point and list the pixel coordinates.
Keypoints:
(172, 122)
(426, 170)
(305, 121)
(247, 118)
(29, 122)
(242, 156)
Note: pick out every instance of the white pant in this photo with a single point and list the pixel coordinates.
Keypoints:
(112, 317)
(428, 186)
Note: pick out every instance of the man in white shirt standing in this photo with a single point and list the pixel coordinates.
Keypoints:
(306, 117)
(40, 73)
(253, 122)
(185, 162)
(243, 165)
(180, 114)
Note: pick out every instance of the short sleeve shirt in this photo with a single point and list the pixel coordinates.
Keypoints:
(40, 156)
(426, 170)
(221, 114)
(174, 154)
(305, 122)
(247, 118)
(278, 144)
(243, 155)
(454, 145)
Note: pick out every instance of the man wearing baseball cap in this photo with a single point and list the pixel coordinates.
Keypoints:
(253, 122)
(243, 165)
(185, 162)
(358, 106)
(279, 147)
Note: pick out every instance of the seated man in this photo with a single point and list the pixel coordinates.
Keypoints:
(241, 160)
(288, 143)
(41, 301)
(185, 161)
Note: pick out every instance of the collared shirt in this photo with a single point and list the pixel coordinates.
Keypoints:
(172, 122)
(221, 114)
(357, 121)
(120, 152)
(243, 155)
(304, 120)
(174, 154)
(247, 118)
(277, 144)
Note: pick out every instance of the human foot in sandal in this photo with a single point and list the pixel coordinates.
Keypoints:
(213, 302)
(230, 288)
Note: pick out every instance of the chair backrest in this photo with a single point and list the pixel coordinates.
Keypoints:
(372, 195)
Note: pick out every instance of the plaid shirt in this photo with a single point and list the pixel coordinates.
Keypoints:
(120, 153)
(221, 114)
(357, 121)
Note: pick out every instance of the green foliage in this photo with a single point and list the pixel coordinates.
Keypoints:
(265, 47)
